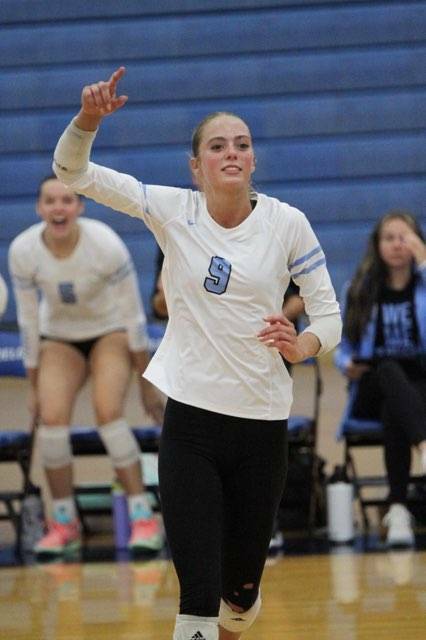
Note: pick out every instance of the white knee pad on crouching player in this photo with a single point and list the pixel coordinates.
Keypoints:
(55, 446)
(120, 443)
(195, 628)
(234, 620)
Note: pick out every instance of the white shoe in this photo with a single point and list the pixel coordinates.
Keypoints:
(277, 541)
(400, 531)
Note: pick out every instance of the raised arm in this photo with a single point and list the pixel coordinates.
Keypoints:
(72, 153)
(72, 164)
(98, 100)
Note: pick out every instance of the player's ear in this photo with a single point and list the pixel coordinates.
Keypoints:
(194, 166)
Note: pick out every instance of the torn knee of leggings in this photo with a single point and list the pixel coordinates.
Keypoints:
(243, 598)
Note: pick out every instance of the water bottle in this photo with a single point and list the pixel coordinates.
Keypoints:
(339, 507)
(120, 516)
(32, 519)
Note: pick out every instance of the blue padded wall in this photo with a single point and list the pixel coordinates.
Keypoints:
(334, 92)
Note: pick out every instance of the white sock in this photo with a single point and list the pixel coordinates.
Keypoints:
(139, 507)
(64, 510)
(196, 628)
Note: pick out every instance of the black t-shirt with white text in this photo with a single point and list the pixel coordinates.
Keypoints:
(397, 334)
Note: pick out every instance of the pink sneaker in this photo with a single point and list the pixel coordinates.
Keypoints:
(60, 538)
(146, 534)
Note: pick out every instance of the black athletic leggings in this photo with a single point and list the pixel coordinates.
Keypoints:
(221, 481)
(387, 393)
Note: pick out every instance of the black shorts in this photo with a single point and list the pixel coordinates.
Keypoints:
(83, 346)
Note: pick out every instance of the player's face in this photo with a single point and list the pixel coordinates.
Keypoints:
(226, 157)
(392, 246)
(59, 208)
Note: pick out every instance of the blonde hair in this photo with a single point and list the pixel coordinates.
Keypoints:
(197, 134)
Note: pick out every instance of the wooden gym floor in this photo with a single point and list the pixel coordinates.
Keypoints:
(311, 591)
(328, 597)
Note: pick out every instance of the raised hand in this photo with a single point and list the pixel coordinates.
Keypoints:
(100, 99)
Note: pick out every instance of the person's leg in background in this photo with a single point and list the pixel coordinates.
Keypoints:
(110, 367)
(252, 493)
(62, 373)
(404, 410)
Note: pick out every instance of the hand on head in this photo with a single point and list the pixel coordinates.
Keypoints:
(100, 98)
(416, 246)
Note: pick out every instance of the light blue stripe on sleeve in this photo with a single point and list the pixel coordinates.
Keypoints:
(311, 267)
(311, 253)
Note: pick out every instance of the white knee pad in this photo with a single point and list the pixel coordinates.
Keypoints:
(55, 447)
(195, 628)
(234, 620)
(120, 443)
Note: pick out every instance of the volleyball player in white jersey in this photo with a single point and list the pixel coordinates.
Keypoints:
(228, 259)
(3, 296)
(89, 319)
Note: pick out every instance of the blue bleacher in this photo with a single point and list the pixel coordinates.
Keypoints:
(257, 75)
(196, 35)
(391, 154)
(283, 118)
(334, 92)
(24, 11)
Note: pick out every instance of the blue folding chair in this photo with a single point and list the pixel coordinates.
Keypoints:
(14, 448)
(15, 444)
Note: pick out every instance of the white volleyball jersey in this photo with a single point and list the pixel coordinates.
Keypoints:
(219, 284)
(88, 294)
(3, 296)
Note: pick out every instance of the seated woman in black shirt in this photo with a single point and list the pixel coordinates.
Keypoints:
(383, 352)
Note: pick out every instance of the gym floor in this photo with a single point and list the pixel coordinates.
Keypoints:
(311, 589)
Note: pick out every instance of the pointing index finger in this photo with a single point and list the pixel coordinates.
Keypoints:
(115, 77)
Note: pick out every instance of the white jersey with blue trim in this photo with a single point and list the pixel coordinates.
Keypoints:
(88, 294)
(219, 284)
